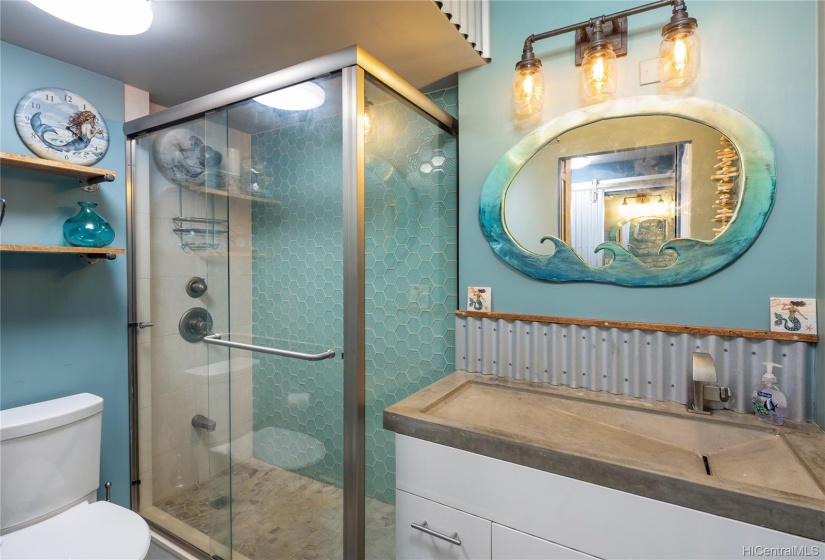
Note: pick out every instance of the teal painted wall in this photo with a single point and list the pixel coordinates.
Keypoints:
(758, 61)
(62, 325)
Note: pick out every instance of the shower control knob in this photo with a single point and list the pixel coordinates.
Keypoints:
(196, 287)
(198, 325)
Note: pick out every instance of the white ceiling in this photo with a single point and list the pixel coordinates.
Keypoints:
(196, 47)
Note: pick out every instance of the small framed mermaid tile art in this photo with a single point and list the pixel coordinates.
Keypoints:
(479, 299)
(61, 125)
(796, 315)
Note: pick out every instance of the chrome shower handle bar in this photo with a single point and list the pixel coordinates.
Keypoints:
(216, 339)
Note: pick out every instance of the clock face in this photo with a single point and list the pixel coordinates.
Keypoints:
(58, 124)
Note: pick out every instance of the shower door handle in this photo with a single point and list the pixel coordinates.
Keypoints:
(216, 339)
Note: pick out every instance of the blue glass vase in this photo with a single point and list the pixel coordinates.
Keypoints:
(88, 228)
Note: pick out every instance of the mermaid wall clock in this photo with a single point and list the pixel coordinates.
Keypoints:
(61, 125)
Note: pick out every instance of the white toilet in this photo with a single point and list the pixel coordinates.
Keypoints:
(49, 475)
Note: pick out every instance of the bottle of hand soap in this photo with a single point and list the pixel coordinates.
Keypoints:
(768, 400)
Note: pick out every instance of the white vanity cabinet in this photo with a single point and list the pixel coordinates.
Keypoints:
(471, 533)
(509, 544)
(472, 537)
(527, 513)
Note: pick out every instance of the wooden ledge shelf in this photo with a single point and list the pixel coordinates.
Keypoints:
(18, 161)
(58, 249)
(712, 331)
(89, 178)
(86, 255)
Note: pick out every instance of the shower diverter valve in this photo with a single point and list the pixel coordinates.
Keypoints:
(195, 324)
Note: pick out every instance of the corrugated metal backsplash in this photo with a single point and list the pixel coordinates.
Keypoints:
(650, 364)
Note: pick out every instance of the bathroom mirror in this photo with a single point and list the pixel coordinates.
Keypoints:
(644, 191)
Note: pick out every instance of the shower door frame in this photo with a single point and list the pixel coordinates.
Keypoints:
(354, 63)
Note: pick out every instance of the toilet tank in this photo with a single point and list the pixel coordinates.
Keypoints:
(49, 458)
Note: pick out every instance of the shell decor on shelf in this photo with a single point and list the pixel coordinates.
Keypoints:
(727, 181)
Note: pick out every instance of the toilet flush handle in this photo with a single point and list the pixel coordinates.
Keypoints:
(108, 487)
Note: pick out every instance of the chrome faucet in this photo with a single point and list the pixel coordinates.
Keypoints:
(705, 387)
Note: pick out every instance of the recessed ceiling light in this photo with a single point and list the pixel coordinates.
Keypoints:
(121, 17)
(300, 97)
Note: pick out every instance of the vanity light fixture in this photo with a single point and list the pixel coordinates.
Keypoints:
(640, 198)
(124, 17)
(598, 42)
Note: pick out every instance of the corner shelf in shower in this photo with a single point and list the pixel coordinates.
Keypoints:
(229, 194)
(89, 177)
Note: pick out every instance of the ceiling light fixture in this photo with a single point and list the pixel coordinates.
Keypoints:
(300, 97)
(121, 17)
(598, 42)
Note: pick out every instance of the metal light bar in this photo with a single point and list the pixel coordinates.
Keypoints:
(619, 26)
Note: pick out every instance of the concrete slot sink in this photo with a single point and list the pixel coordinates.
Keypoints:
(726, 463)
(675, 444)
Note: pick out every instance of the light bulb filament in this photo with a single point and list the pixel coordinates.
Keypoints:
(680, 54)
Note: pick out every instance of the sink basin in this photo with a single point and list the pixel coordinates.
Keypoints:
(640, 434)
(727, 464)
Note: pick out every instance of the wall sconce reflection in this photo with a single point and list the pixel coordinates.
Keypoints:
(598, 42)
(370, 122)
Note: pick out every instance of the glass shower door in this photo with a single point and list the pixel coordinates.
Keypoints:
(244, 211)
(182, 237)
(283, 182)
(247, 410)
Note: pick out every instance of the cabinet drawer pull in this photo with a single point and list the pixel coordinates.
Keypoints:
(425, 529)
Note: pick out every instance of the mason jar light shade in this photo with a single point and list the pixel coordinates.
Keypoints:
(599, 76)
(679, 56)
(528, 88)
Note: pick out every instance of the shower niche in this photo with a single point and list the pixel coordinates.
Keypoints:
(330, 227)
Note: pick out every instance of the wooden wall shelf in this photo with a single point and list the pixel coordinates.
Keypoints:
(712, 331)
(88, 176)
(60, 249)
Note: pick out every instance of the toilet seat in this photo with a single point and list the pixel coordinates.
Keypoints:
(96, 531)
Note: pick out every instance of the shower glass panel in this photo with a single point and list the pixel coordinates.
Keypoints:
(288, 501)
(247, 201)
(182, 284)
(411, 278)
(248, 222)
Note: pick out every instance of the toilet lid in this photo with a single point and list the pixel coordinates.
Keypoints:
(97, 531)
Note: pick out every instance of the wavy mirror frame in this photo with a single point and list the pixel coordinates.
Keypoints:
(696, 259)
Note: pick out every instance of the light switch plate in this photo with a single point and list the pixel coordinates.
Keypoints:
(649, 72)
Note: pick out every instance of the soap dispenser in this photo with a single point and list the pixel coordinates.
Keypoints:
(769, 401)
